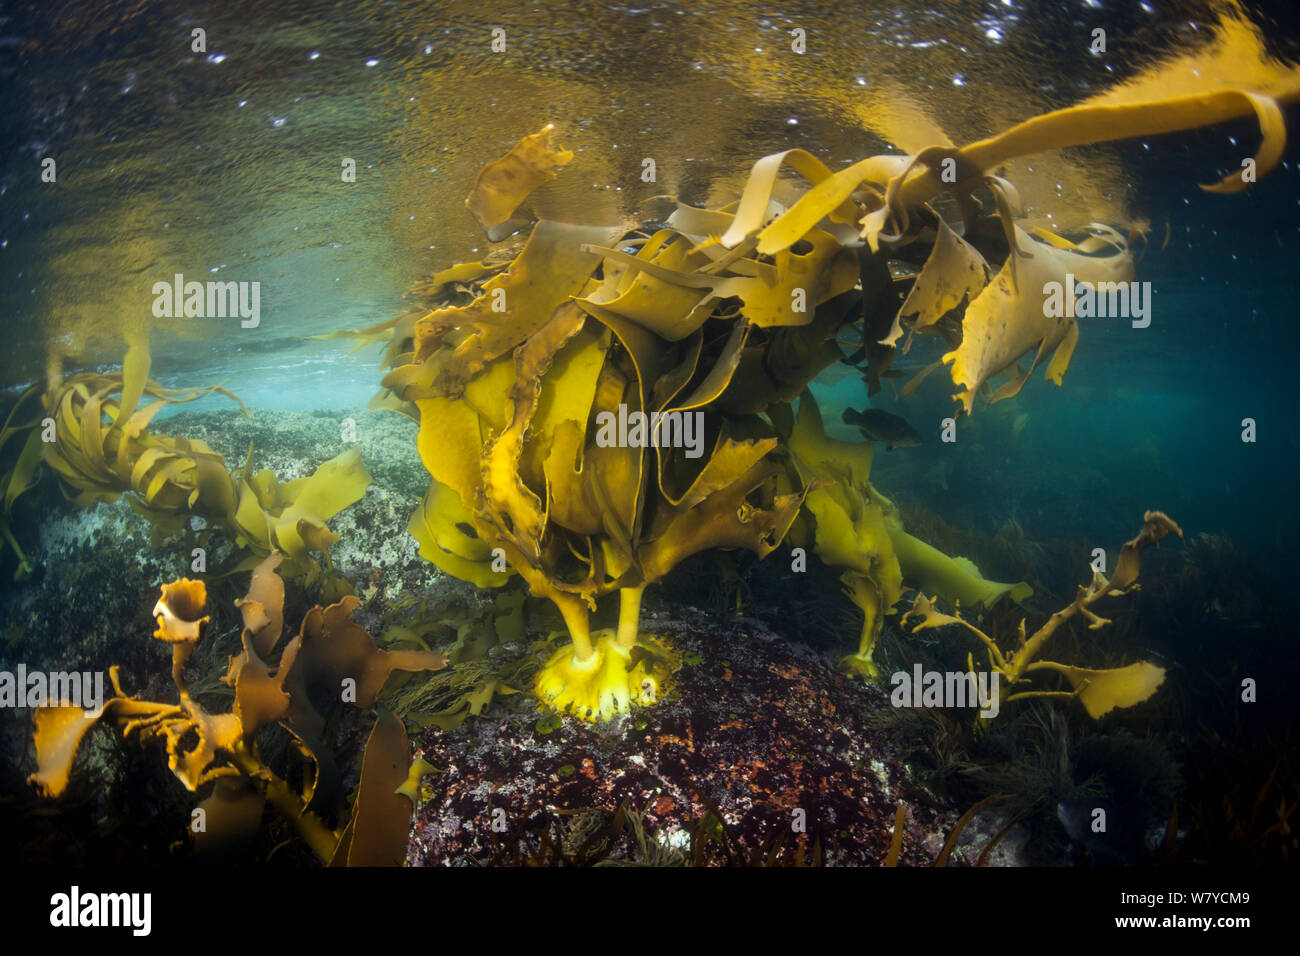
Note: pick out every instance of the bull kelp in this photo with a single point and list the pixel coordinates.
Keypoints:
(749, 475)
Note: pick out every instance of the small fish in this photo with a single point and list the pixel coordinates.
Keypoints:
(881, 426)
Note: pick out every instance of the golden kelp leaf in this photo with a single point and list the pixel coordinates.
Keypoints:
(252, 527)
(384, 400)
(954, 272)
(652, 358)
(963, 174)
(646, 293)
(232, 817)
(1121, 115)
(782, 293)
(135, 376)
(827, 196)
(506, 182)
(553, 267)
(510, 506)
(461, 272)
(923, 608)
(913, 383)
(215, 494)
(333, 486)
(335, 648)
(376, 834)
(820, 456)
(569, 469)
(1009, 317)
(307, 535)
(18, 472)
(263, 606)
(169, 474)
(567, 393)
(822, 270)
(613, 487)
(866, 596)
(450, 443)
(420, 767)
(267, 488)
(715, 383)
(488, 393)
(323, 792)
(179, 611)
(850, 533)
(23, 475)
(729, 459)
(702, 227)
(1232, 78)
(92, 416)
(792, 357)
(102, 450)
(1101, 691)
(260, 698)
(26, 412)
(1156, 527)
(444, 528)
(755, 202)
(956, 580)
(722, 519)
(59, 731)
(195, 742)
(1101, 123)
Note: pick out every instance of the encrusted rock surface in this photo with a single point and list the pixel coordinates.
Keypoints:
(754, 726)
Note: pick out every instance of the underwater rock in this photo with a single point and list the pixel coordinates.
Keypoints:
(752, 725)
